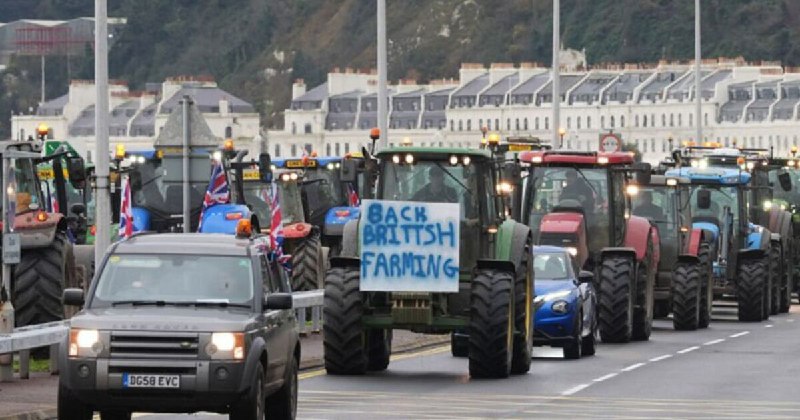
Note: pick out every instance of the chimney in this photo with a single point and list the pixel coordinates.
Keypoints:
(298, 88)
(223, 107)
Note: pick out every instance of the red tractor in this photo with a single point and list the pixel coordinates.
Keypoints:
(580, 201)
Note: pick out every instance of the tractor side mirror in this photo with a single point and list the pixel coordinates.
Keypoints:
(265, 168)
(78, 209)
(642, 170)
(349, 170)
(704, 199)
(585, 277)
(76, 169)
(785, 180)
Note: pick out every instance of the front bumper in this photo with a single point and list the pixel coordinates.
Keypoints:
(553, 330)
(204, 385)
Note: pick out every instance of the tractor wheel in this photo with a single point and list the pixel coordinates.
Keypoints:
(775, 278)
(686, 297)
(643, 308)
(39, 281)
(379, 342)
(343, 335)
(459, 345)
(523, 317)
(616, 299)
(307, 264)
(706, 285)
(750, 289)
(491, 327)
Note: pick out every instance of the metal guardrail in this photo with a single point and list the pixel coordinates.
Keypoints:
(23, 339)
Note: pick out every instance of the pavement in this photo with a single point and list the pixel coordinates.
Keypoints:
(35, 398)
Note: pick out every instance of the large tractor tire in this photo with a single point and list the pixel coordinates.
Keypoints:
(704, 253)
(491, 327)
(343, 335)
(307, 264)
(616, 300)
(750, 289)
(686, 297)
(523, 318)
(776, 278)
(39, 282)
(379, 342)
(643, 308)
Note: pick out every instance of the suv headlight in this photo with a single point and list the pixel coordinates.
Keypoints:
(84, 343)
(226, 345)
(552, 296)
(560, 307)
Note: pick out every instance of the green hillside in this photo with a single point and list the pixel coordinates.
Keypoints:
(255, 48)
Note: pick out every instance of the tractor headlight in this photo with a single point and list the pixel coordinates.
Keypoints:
(767, 205)
(84, 343)
(560, 307)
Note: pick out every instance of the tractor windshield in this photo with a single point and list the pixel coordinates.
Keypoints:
(582, 189)
(29, 196)
(291, 202)
(657, 203)
(257, 197)
(321, 190)
(157, 185)
(724, 200)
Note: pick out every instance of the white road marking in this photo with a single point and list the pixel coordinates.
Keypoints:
(768, 326)
(687, 350)
(660, 358)
(712, 342)
(606, 377)
(789, 320)
(576, 389)
(737, 335)
(632, 367)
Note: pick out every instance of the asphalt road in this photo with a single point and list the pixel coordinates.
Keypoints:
(731, 370)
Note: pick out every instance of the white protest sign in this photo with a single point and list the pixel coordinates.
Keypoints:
(409, 246)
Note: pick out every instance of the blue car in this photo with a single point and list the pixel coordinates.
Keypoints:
(566, 301)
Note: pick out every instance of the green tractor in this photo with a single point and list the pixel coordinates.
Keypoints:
(491, 294)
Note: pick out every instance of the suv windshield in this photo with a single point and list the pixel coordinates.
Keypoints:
(550, 267)
(175, 279)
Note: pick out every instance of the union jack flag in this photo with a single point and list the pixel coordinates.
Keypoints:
(217, 192)
(352, 196)
(125, 211)
(276, 230)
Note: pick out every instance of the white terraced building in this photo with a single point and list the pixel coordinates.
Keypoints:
(751, 105)
(136, 118)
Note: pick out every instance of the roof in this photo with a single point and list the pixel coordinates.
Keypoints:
(435, 151)
(474, 86)
(503, 85)
(713, 175)
(413, 94)
(206, 98)
(661, 180)
(579, 158)
(314, 95)
(185, 244)
(353, 94)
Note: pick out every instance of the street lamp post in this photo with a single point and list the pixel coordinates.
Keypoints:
(556, 69)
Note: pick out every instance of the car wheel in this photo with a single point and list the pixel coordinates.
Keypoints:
(69, 408)
(589, 343)
(252, 408)
(573, 350)
(282, 405)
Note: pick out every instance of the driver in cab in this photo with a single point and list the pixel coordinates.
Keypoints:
(647, 209)
(578, 189)
(436, 191)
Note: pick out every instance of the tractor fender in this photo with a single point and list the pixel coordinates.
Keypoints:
(502, 265)
(36, 234)
(350, 239)
(510, 242)
(223, 218)
(689, 258)
(695, 238)
(751, 254)
(337, 217)
(341, 262)
(297, 230)
(639, 231)
(711, 230)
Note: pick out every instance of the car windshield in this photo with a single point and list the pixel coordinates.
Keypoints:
(722, 198)
(581, 188)
(175, 279)
(550, 266)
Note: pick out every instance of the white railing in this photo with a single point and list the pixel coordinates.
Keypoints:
(23, 339)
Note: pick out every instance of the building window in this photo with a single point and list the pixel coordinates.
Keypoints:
(460, 125)
(691, 119)
(644, 120)
(622, 121)
(589, 122)
(336, 149)
(680, 120)
(636, 120)
(480, 123)
(517, 124)
(308, 128)
(469, 125)
(228, 132)
(294, 150)
(663, 120)
(672, 120)
(536, 123)
(508, 123)
(488, 124)
(451, 125)
(705, 120)
(328, 149)
(277, 150)
(579, 123)
(612, 121)
(569, 122)
(294, 128)
(602, 122)
(347, 148)
(653, 120)
(525, 124)
(546, 123)
(497, 123)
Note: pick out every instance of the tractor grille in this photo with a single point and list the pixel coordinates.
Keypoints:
(138, 345)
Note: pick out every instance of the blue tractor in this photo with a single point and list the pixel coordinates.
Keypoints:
(719, 202)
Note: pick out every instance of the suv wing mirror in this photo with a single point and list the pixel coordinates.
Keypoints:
(274, 301)
(585, 277)
(73, 297)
